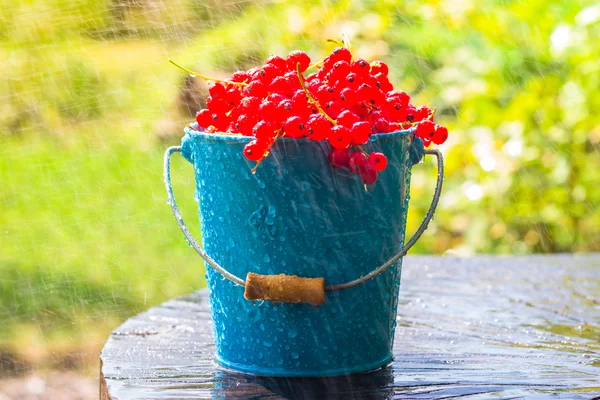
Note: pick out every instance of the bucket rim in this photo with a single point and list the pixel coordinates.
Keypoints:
(193, 131)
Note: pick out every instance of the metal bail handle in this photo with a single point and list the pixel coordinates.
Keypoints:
(331, 288)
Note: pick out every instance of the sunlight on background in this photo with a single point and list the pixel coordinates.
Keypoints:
(88, 103)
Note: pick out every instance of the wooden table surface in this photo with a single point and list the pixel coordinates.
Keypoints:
(475, 328)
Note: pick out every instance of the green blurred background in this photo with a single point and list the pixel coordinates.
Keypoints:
(88, 104)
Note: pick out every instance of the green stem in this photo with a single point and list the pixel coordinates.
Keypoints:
(312, 99)
(206, 78)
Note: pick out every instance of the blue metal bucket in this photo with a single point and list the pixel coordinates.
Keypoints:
(299, 216)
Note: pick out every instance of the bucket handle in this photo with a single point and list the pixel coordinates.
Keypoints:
(331, 288)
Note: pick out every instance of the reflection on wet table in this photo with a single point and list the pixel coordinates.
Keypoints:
(481, 327)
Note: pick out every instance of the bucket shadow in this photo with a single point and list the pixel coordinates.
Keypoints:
(371, 385)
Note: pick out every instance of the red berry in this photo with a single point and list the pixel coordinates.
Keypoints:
(333, 109)
(383, 83)
(340, 137)
(264, 131)
(365, 92)
(277, 62)
(203, 118)
(268, 110)
(299, 99)
(362, 110)
(358, 162)
(284, 110)
(395, 110)
(217, 91)
(369, 176)
(256, 89)
(347, 118)
(217, 105)
(325, 93)
(293, 80)
(293, 127)
(361, 131)
(249, 104)
(426, 129)
(403, 97)
(340, 70)
(422, 113)
(317, 127)
(440, 135)
(219, 121)
(411, 113)
(233, 96)
(340, 54)
(240, 76)
(377, 161)
(348, 97)
(281, 85)
(255, 150)
(379, 67)
(339, 158)
(360, 67)
(351, 80)
(245, 123)
(298, 57)
(382, 125)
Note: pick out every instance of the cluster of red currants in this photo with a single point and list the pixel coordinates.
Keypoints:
(344, 101)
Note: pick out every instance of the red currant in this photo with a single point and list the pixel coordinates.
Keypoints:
(264, 131)
(298, 57)
(339, 158)
(245, 123)
(358, 162)
(340, 70)
(281, 85)
(379, 67)
(240, 76)
(340, 54)
(317, 127)
(377, 161)
(361, 131)
(204, 118)
(402, 97)
(217, 91)
(426, 129)
(348, 97)
(369, 176)
(360, 67)
(347, 118)
(255, 150)
(255, 88)
(440, 135)
(277, 62)
(333, 109)
(217, 105)
(293, 127)
(340, 137)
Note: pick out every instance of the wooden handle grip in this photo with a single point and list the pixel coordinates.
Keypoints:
(285, 288)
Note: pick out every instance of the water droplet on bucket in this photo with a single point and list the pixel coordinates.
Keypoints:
(266, 258)
(267, 344)
(261, 184)
(292, 333)
(295, 355)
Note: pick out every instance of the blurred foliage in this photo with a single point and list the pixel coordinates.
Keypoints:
(88, 102)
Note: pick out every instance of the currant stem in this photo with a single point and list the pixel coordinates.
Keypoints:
(335, 41)
(315, 64)
(312, 99)
(267, 152)
(206, 78)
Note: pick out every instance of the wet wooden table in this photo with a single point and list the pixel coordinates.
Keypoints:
(475, 328)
